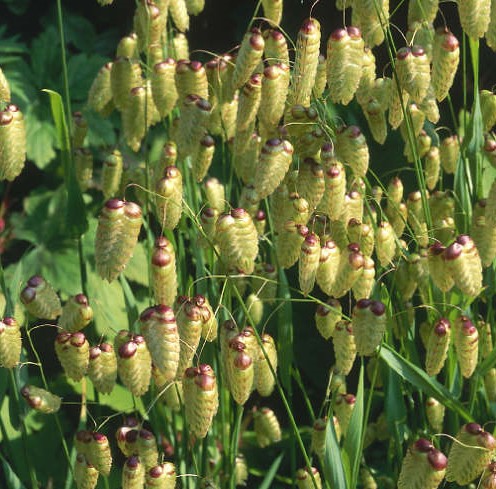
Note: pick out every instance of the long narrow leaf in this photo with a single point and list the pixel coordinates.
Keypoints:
(422, 381)
(333, 464)
(11, 478)
(271, 473)
(352, 444)
(76, 221)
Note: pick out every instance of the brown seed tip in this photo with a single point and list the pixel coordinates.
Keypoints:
(378, 308)
(133, 462)
(437, 459)
(339, 34)
(128, 349)
(309, 27)
(114, 204)
(418, 51)
(473, 428)
(423, 445)
(354, 32)
(403, 53)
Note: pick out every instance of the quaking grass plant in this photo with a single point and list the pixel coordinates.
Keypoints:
(236, 206)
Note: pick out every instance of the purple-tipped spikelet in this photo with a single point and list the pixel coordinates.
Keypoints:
(191, 78)
(304, 479)
(10, 342)
(352, 149)
(311, 182)
(249, 56)
(364, 284)
(163, 86)
(133, 473)
(343, 341)
(203, 157)
(40, 299)
(169, 198)
(470, 453)
(161, 476)
(178, 11)
(164, 276)
(159, 328)
(275, 84)
(327, 316)
(102, 368)
(201, 399)
(83, 164)
(318, 436)
(332, 202)
(12, 142)
(210, 325)
(100, 93)
(76, 314)
(134, 362)
(434, 411)
(112, 174)
(73, 351)
(343, 408)
(437, 346)
(328, 265)
(264, 379)
(309, 262)
(474, 17)
(267, 427)
(146, 446)
(344, 63)
(95, 447)
(445, 59)
(272, 10)
(276, 47)
(40, 399)
(349, 269)
(449, 152)
(438, 269)
(466, 339)
(369, 325)
(85, 475)
(240, 370)
(423, 466)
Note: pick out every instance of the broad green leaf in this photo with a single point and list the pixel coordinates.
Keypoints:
(271, 473)
(422, 381)
(285, 332)
(101, 130)
(334, 470)
(76, 222)
(11, 478)
(395, 408)
(353, 441)
(40, 141)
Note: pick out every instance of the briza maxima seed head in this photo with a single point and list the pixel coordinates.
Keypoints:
(264, 378)
(305, 481)
(161, 476)
(423, 466)
(4, 87)
(133, 473)
(102, 368)
(272, 10)
(267, 427)
(179, 14)
(146, 447)
(240, 369)
(200, 399)
(327, 316)
(369, 325)
(352, 149)
(210, 324)
(164, 275)
(488, 479)
(10, 342)
(159, 328)
(276, 47)
(318, 436)
(73, 350)
(344, 345)
(12, 142)
(474, 17)
(40, 399)
(466, 339)
(438, 270)
(435, 414)
(85, 475)
(470, 453)
(76, 314)
(308, 262)
(134, 363)
(163, 84)
(445, 60)
(249, 56)
(40, 299)
(437, 346)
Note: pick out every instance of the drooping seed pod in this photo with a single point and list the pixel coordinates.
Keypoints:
(306, 62)
(179, 14)
(437, 347)
(159, 328)
(320, 78)
(146, 447)
(267, 427)
(79, 129)
(260, 221)
(10, 342)
(474, 17)
(349, 269)
(344, 64)
(40, 399)
(191, 78)
(134, 365)
(264, 379)
(398, 98)
(255, 308)
(304, 479)
(203, 157)
(385, 243)
(4, 88)
(464, 264)
(272, 10)
(363, 234)
(83, 165)
(432, 167)
(40, 299)
(133, 473)
(102, 368)
(85, 475)
(275, 160)
(12, 142)
(445, 60)
(343, 409)
(423, 466)
(195, 7)
(249, 56)
(466, 339)
(332, 202)
(215, 194)
(344, 345)
(128, 46)
(200, 399)
(161, 476)
(241, 470)
(288, 243)
(418, 85)
(438, 269)
(417, 122)
(169, 199)
(264, 283)
(97, 452)
(72, 350)
(112, 174)
(163, 86)
(327, 316)
(318, 436)
(485, 338)
(449, 153)
(470, 453)
(150, 20)
(435, 414)
(311, 182)
(249, 103)
(100, 93)
(276, 47)
(372, 18)
(422, 11)
(241, 370)
(124, 75)
(210, 325)
(164, 276)
(369, 325)
(76, 314)
(352, 149)
(309, 262)
(189, 323)
(364, 284)
(376, 118)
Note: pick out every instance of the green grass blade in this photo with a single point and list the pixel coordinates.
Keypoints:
(353, 441)
(271, 473)
(422, 381)
(285, 333)
(76, 221)
(333, 463)
(11, 479)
